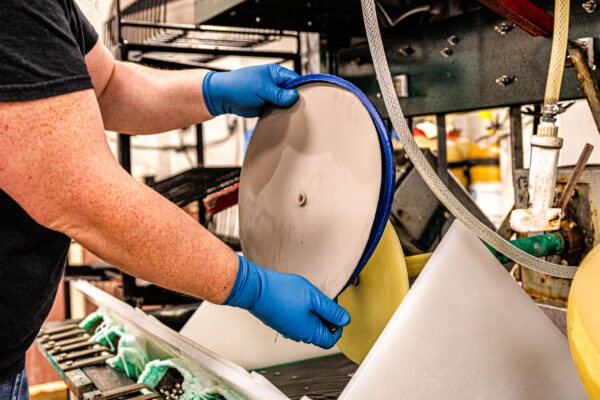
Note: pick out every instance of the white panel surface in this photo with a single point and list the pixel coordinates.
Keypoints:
(324, 150)
(466, 330)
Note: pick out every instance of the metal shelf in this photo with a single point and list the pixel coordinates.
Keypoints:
(141, 28)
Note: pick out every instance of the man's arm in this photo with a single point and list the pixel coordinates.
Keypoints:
(55, 162)
(138, 100)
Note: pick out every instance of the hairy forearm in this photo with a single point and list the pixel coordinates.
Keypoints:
(141, 100)
(140, 232)
(66, 179)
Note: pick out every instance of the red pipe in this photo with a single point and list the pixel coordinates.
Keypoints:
(524, 14)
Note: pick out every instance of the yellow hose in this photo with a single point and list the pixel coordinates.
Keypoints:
(415, 264)
(559, 51)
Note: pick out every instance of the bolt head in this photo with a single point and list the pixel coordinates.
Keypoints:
(453, 40)
(446, 52)
(505, 80)
(589, 6)
(301, 199)
(504, 28)
(406, 50)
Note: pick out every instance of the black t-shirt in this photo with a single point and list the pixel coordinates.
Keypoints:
(42, 48)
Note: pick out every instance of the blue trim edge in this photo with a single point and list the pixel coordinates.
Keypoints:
(388, 177)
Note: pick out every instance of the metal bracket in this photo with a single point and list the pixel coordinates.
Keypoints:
(587, 45)
(63, 335)
(71, 347)
(86, 362)
(78, 382)
(81, 353)
(48, 346)
(122, 391)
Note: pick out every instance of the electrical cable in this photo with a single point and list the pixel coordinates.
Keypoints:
(424, 168)
(177, 148)
(402, 17)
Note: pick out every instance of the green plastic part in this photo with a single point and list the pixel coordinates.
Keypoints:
(90, 320)
(131, 357)
(109, 335)
(539, 246)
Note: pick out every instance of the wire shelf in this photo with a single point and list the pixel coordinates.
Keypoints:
(143, 29)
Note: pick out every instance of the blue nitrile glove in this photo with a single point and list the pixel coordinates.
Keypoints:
(246, 91)
(288, 303)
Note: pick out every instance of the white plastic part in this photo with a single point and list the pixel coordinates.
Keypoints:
(541, 216)
(530, 220)
(238, 336)
(309, 186)
(466, 330)
(252, 385)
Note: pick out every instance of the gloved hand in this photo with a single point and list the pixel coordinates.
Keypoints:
(288, 303)
(246, 91)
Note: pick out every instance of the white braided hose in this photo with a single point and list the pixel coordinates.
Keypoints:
(560, 38)
(427, 173)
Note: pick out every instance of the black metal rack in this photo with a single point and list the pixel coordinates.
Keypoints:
(139, 33)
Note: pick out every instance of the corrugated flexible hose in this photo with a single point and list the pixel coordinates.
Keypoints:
(427, 173)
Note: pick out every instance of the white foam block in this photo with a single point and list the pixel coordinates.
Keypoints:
(238, 336)
(466, 330)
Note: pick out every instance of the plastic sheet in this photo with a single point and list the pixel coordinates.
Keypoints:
(240, 337)
(466, 330)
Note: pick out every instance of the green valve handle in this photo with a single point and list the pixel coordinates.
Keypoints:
(539, 246)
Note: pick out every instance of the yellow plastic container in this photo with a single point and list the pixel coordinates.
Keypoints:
(456, 158)
(382, 285)
(464, 145)
(485, 184)
(583, 322)
(485, 164)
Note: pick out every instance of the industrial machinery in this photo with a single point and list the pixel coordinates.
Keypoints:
(410, 58)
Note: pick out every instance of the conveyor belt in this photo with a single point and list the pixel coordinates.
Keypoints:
(103, 376)
(320, 378)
